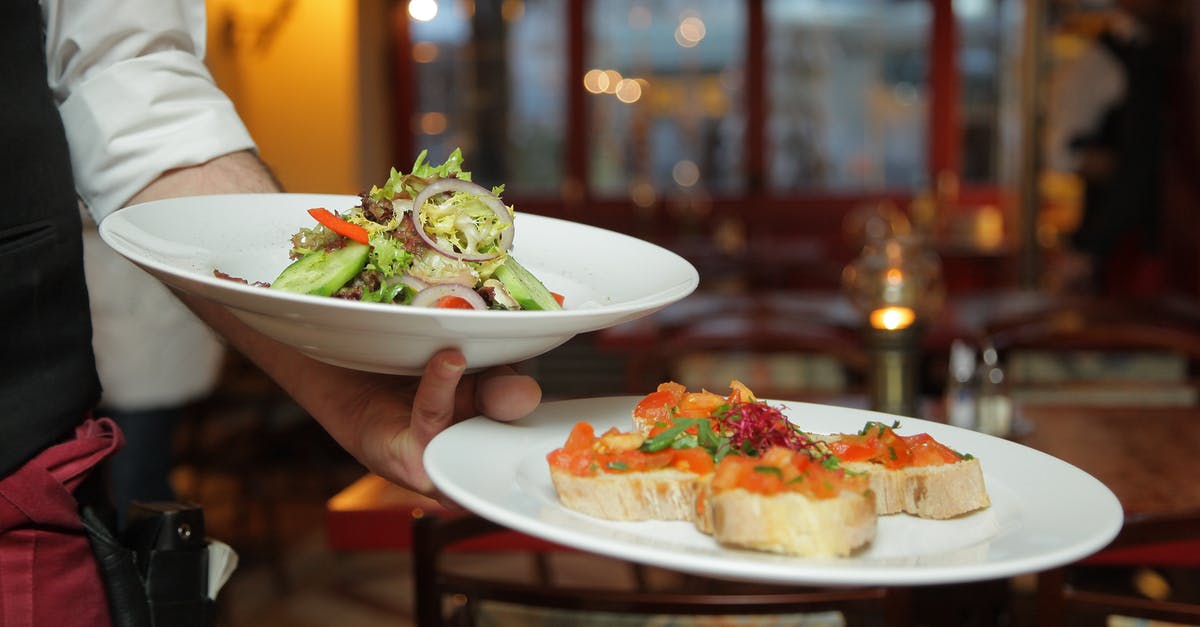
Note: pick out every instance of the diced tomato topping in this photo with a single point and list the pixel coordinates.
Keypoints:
(571, 462)
(762, 481)
(784, 470)
(583, 455)
(656, 407)
(670, 386)
(739, 393)
(698, 404)
(652, 461)
(883, 445)
(582, 436)
(696, 460)
(854, 448)
(929, 452)
(452, 302)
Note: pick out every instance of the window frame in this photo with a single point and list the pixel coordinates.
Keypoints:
(818, 215)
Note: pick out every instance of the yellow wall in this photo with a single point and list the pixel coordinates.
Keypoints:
(308, 80)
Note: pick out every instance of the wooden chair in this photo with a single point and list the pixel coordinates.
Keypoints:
(1099, 351)
(1063, 599)
(1165, 340)
(435, 584)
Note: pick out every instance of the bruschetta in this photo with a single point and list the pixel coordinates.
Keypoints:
(788, 502)
(741, 471)
(914, 474)
(627, 475)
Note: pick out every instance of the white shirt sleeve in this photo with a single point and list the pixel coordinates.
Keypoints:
(134, 94)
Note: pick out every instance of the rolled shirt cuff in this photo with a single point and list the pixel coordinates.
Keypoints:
(140, 118)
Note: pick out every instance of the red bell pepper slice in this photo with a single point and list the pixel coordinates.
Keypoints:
(340, 226)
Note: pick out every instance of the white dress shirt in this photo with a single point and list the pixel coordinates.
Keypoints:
(135, 97)
(136, 100)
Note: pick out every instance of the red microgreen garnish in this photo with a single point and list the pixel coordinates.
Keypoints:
(755, 427)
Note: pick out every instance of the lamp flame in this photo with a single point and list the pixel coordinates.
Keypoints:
(892, 318)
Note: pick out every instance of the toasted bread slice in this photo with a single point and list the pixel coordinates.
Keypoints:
(793, 524)
(786, 502)
(944, 491)
(912, 474)
(625, 476)
(665, 494)
(702, 511)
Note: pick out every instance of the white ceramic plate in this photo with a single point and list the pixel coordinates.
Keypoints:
(606, 278)
(1044, 512)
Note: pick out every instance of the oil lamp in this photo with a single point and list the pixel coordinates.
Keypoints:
(896, 283)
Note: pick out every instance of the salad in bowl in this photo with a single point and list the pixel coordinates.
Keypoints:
(427, 238)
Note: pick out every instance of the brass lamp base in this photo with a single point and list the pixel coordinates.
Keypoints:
(892, 376)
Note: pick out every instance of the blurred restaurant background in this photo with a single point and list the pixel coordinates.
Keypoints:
(818, 161)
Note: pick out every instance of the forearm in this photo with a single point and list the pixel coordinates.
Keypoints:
(240, 172)
(295, 372)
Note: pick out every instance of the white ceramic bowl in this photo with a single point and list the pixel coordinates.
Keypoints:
(605, 277)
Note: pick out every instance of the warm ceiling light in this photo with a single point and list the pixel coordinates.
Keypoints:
(691, 31)
(432, 123)
(686, 173)
(423, 10)
(610, 81)
(643, 194)
(592, 81)
(628, 90)
(425, 52)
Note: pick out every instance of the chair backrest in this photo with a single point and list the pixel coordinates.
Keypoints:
(435, 582)
(1170, 542)
(1101, 352)
(777, 356)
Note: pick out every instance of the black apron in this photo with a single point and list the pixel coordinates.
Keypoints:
(48, 379)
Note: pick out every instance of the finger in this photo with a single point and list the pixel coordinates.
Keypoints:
(501, 394)
(432, 412)
(433, 405)
(447, 502)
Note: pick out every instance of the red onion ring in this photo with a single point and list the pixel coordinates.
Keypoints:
(486, 197)
(401, 205)
(460, 273)
(414, 283)
(429, 296)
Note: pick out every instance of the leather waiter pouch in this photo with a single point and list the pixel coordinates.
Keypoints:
(172, 551)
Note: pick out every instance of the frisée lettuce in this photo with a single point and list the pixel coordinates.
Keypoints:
(434, 239)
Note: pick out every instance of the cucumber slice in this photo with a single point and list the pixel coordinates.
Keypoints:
(323, 273)
(525, 288)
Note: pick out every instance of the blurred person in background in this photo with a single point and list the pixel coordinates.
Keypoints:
(1106, 123)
